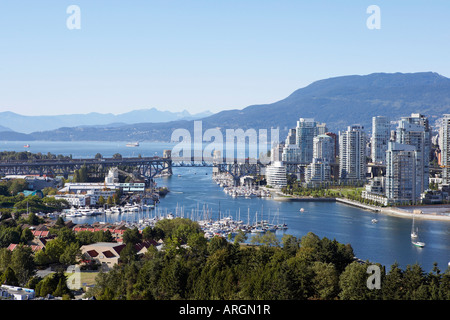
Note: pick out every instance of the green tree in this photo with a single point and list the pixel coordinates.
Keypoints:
(392, 287)
(101, 201)
(353, 282)
(71, 254)
(26, 236)
(22, 263)
(325, 281)
(128, 254)
(9, 277)
(132, 236)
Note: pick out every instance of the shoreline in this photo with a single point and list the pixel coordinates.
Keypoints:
(393, 211)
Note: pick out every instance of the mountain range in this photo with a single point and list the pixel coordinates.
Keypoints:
(338, 102)
(10, 121)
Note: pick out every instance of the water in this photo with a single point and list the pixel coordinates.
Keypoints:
(386, 242)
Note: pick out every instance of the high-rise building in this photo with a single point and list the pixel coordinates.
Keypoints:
(306, 130)
(401, 173)
(381, 134)
(352, 160)
(317, 171)
(291, 151)
(415, 131)
(276, 175)
(323, 148)
(444, 145)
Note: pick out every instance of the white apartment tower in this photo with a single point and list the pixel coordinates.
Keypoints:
(352, 160)
(306, 130)
(415, 131)
(444, 144)
(381, 134)
(401, 173)
(323, 148)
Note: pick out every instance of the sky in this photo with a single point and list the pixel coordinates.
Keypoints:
(200, 55)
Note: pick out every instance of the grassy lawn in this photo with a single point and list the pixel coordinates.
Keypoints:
(86, 279)
(345, 190)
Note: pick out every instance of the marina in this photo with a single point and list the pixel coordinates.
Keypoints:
(191, 189)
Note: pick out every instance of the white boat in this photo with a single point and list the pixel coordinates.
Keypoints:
(133, 144)
(419, 244)
(302, 210)
(374, 220)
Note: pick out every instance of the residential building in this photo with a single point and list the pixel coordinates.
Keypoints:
(276, 175)
(352, 160)
(323, 148)
(317, 171)
(108, 253)
(401, 173)
(381, 134)
(306, 130)
(415, 131)
(444, 145)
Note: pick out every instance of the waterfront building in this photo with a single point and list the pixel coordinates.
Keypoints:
(401, 173)
(317, 171)
(375, 191)
(306, 130)
(415, 131)
(276, 175)
(444, 145)
(352, 160)
(381, 134)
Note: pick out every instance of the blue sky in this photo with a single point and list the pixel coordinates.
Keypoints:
(201, 54)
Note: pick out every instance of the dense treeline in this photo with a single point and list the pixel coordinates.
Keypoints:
(306, 268)
(192, 267)
(28, 156)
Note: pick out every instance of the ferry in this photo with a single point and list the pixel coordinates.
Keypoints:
(26, 146)
(132, 144)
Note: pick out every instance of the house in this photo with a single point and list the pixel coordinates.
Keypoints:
(105, 253)
(34, 247)
(108, 253)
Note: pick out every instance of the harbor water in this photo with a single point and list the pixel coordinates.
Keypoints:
(193, 191)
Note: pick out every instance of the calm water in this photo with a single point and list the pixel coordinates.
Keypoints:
(386, 242)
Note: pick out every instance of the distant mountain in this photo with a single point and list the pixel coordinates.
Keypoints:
(339, 102)
(28, 124)
(2, 129)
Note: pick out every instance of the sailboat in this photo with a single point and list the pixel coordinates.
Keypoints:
(415, 235)
(414, 231)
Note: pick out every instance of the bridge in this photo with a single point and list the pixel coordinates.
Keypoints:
(146, 167)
